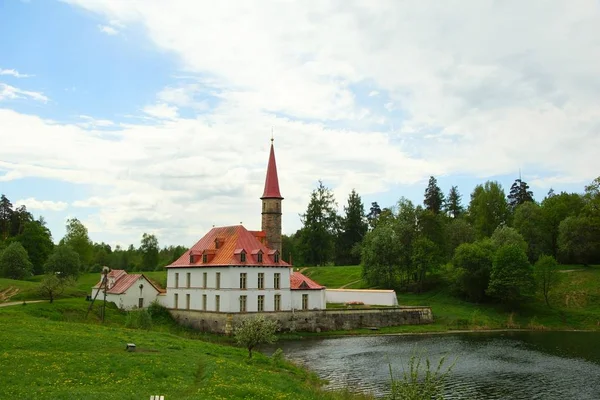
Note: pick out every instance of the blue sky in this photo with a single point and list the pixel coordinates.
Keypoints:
(137, 117)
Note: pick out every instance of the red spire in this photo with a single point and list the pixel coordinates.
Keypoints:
(272, 182)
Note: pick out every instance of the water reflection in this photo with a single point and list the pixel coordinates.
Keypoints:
(514, 365)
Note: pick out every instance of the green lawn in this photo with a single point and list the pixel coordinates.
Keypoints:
(338, 276)
(43, 356)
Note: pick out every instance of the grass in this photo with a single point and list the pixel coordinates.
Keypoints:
(50, 351)
(338, 276)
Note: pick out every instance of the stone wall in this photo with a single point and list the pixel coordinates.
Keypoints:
(271, 222)
(310, 321)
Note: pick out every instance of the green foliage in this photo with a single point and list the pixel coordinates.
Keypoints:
(504, 236)
(78, 239)
(434, 198)
(373, 214)
(381, 256)
(488, 208)
(579, 240)
(556, 208)
(64, 261)
(277, 356)
(456, 232)
(37, 240)
(473, 263)
(511, 279)
(529, 221)
(353, 227)
(319, 227)
(453, 206)
(6, 212)
(545, 272)
(14, 262)
(519, 194)
(425, 257)
(420, 382)
(139, 319)
(254, 331)
(53, 286)
(149, 250)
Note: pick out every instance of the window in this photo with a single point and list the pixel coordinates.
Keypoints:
(204, 258)
(261, 280)
(176, 302)
(188, 279)
(204, 279)
(243, 303)
(243, 280)
(176, 280)
(218, 280)
(261, 303)
(187, 301)
(276, 257)
(277, 305)
(217, 303)
(204, 302)
(191, 258)
(277, 280)
(141, 302)
(305, 302)
(259, 257)
(243, 257)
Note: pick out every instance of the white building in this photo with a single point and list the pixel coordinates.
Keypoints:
(127, 291)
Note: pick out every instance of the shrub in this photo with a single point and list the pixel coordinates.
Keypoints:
(415, 385)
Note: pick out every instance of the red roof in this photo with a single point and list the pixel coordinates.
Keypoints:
(232, 240)
(271, 181)
(124, 281)
(302, 282)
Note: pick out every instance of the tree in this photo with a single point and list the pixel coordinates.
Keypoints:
(52, 286)
(381, 256)
(488, 208)
(64, 261)
(434, 198)
(373, 214)
(37, 240)
(555, 208)
(504, 236)
(457, 232)
(6, 212)
(453, 206)
(149, 250)
(473, 262)
(579, 240)
(77, 237)
(425, 257)
(546, 275)
(529, 221)
(254, 331)
(519, 194)
(14, 262)
(319, 227)
(353, 227)
(511, 279)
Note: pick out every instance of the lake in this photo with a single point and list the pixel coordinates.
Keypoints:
(496, 365)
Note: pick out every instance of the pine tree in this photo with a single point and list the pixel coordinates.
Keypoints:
(434, 198)
(6, 212)
(373, 214)
(353, 227)
(519, 194)
(453, 206)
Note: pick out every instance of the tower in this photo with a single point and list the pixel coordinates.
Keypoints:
(271, 205)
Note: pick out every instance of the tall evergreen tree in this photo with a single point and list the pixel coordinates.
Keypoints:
(319, 227)
(373, 214)
(453, 205)
(6, 212)
(434, 198)
(519, 194)
(353, 227)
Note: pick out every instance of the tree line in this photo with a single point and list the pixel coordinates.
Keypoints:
(27, 248)
(484, 250)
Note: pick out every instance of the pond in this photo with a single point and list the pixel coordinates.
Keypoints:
(491, 365)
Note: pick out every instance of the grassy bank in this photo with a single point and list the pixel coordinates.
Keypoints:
(50, 351)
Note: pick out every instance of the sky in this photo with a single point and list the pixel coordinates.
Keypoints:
(156, 116)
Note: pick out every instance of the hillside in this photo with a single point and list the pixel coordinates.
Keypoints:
(43, 356)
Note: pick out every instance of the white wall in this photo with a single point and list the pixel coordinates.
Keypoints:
(372, 297)
(130, 299)
(316, 299)
(229, 291)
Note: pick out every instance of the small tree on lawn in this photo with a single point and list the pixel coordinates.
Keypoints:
(254, 331)
(52, 286)
(545, 272)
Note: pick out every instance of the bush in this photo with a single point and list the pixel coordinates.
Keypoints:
(277, 356)
(139, 319)
(415, 386)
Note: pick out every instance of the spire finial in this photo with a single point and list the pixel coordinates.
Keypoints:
(272, 138)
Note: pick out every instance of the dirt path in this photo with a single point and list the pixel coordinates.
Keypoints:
(348, 284)
(14, 303)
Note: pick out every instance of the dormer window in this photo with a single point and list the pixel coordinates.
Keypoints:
(243, 257)
(204, 258)
(276, 257)
(259, 257)
(191, 258)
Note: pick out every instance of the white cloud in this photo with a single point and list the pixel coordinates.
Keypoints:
(91, 122)
(8, 92)
(373, 93)
(42, 205)
(161, 111)
(109, 30)
(14, 73)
